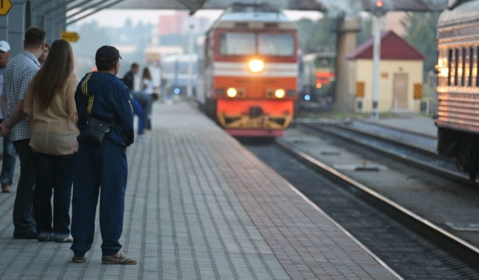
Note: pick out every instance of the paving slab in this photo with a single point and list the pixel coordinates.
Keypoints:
(200, 206)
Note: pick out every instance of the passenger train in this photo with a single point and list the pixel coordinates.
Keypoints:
(250, 71)
(458, 85)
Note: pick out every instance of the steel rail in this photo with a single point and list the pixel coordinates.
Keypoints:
(443, 172)
(430, 231)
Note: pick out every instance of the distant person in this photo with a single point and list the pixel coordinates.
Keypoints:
(9, 153)
(140, 113)
(102, 170)
(52, 111)
(18, 74)
(142, 104)
(147, 81)
(129, 78)
(44, 55)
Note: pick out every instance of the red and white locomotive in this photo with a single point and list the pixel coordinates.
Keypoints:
(250, 71)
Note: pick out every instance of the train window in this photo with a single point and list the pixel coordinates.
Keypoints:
(456, 67)
(237, 44)
(471, 65)
(449, 67)
(463, 68)
(276, 44)
(477, 67)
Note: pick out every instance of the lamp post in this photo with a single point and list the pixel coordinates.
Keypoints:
(378, 11)
(189, 89)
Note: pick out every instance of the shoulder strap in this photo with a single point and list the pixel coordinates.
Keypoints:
(84, 88)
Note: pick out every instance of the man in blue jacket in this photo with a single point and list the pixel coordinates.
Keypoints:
(102, 169)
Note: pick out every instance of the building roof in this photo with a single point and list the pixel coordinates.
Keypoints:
(393, 46)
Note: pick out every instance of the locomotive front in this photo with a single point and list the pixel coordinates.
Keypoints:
(251, 70)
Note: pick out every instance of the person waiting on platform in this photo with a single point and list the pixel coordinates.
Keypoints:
(148, 87)
(129, 78)
(9, 152)
(52, 113)
(19, 72)
(44, 55)
(103, 104)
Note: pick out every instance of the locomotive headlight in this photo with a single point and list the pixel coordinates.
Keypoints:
(256, 65)
(280, 93)
(232, 92)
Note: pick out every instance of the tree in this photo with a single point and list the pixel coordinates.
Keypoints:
(366, 32)
(314, 35)
(421, 30)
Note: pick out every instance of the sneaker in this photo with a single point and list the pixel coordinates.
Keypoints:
(117, 258)
(142, 139)
(68, 239)
(45, 239)
(6, 189)
(79, 259)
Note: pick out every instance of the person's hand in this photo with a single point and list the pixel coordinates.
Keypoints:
(4, 130)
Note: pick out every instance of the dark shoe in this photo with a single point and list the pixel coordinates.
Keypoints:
(29, 235)
(64, 240)
(79, 259)
(45, 239)
(117, 258)
(6, 189)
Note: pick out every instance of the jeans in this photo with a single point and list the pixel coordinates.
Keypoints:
(8, 164)
(53, 173)
(23, 216)
(146, 103)
(138, 110)
(101, 170)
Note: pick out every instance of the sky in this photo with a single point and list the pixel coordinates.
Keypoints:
(117, 18)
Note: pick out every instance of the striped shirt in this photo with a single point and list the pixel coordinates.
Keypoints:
(18, 74)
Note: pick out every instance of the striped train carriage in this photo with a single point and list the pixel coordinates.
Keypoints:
(458, 86)
(251, 70)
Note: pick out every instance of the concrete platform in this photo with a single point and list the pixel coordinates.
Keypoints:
(200, 206)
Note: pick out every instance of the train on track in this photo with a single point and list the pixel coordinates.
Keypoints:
(250, 71)
(458, 85)
(317, 79)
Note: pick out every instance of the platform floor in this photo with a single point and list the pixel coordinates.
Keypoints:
(200, 206)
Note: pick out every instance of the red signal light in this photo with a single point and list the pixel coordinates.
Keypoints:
(379, 4)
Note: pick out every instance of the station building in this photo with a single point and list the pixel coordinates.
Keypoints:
(401, 75)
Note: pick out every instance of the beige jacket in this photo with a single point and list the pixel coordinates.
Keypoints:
(54, 131)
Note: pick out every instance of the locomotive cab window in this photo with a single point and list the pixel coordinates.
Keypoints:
(237, 44)
(449, 68)
(463, 68)
(276, 44)
(456, 67)
(471, 66)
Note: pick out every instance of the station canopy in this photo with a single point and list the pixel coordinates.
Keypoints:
(308, 5)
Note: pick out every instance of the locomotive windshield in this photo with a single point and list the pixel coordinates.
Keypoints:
(236, 44)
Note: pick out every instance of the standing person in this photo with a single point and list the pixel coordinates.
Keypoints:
(44, 55)
(9, 153)
(101, 97)
(18, 74)
(148, 88)
(52, 112)
(147, 81)
(129, 78)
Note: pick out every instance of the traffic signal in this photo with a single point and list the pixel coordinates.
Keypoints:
(379, 8)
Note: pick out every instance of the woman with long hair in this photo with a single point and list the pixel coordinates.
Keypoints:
(50, 106)
(147, 81)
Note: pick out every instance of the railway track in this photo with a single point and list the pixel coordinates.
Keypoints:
(406, 152)
(409, 244)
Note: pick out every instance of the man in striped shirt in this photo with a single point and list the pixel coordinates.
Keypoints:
(18, 74)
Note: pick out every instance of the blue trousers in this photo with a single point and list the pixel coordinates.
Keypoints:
(138, 110)
(53, 173)
(100, 170)
(8, 164)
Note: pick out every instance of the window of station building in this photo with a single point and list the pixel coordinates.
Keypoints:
(463, 68)
(276, 44)
(456, 67)
(471, 65)
(237, 44)
(449, 68)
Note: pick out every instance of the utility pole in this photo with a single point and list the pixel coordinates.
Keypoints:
(189, 89)
(378, 11)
